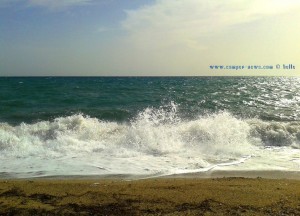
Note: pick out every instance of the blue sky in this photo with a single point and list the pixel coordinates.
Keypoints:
(147, 37)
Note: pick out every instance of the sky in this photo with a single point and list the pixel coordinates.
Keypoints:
(149, 37)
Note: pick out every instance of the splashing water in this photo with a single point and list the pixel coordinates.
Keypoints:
(155, 142)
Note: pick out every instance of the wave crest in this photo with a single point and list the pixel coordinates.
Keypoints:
(152, 132)
(275, 133)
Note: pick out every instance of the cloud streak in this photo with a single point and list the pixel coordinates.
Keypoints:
(169, 22)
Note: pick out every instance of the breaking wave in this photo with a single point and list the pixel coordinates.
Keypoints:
(155, 141)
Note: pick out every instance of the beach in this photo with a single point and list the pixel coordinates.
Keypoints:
(158, 196)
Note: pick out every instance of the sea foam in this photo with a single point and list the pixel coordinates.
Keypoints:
(155, 142)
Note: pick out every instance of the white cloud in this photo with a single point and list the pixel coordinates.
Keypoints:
(174, 22)
(183, 37)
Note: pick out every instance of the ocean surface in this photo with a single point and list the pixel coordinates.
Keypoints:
(151, 126)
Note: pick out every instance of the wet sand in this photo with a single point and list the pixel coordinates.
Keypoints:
(163, 196)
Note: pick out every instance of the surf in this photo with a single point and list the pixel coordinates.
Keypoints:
(155, 142)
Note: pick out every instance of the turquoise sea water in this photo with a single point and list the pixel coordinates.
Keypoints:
(120, 99)
(147, 126)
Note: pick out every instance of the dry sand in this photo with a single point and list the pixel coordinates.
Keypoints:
(167, 196)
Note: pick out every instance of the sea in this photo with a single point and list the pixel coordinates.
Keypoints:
(147, 126)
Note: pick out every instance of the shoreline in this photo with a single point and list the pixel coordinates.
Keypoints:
(172, 195)
(266, 174)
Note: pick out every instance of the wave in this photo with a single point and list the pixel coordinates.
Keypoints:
(157, 139)
(153, 130)
(275, 133)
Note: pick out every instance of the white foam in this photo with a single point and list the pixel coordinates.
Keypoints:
(156, 142)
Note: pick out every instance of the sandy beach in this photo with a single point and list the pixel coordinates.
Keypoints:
(161, 196)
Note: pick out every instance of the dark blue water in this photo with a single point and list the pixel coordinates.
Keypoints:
(32, 99)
